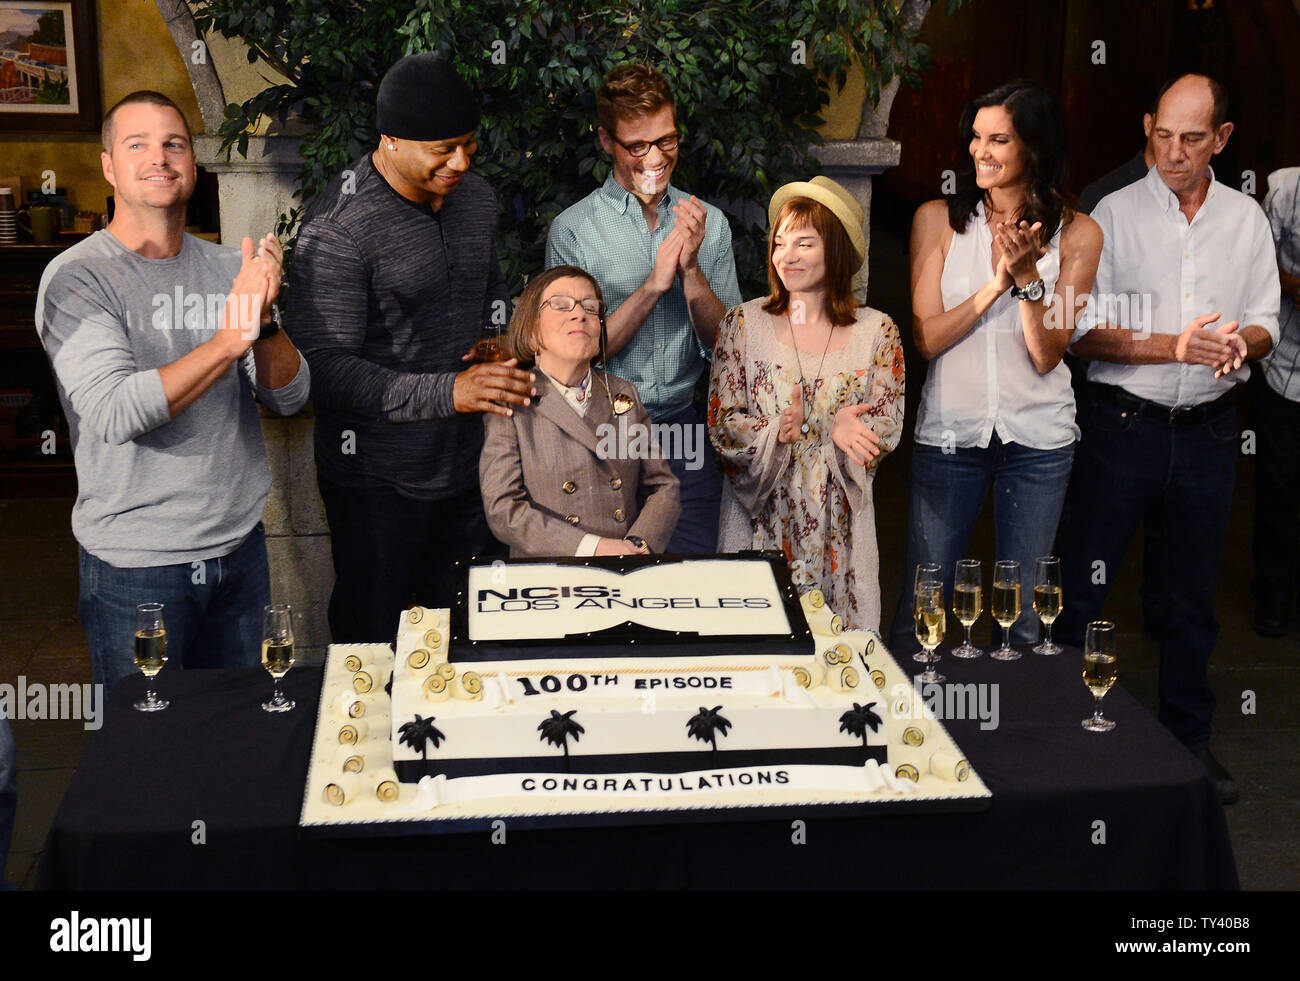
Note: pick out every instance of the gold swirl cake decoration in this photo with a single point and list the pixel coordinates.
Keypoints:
(436, 688)
(468, 685)
(908, 772)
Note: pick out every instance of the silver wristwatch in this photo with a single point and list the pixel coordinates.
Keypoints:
(1031, 291)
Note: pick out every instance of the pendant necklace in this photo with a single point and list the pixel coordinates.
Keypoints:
(806, 428)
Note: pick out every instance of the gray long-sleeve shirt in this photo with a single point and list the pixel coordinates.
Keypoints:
(152, 490)
(386, 296)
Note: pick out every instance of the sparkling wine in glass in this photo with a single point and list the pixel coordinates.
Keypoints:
(968, 602)
(1100, 668)
(277, 651)
(928, 613)
(150, 652)
(1047, 599)
(1006, 606)
(925, 572)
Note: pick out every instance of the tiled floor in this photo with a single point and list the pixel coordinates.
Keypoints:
(41, 638)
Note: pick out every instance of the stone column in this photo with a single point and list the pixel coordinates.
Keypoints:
(253, 191)
(854, 162)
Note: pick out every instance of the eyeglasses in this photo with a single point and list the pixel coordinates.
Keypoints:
(564, 304)
(641, 148)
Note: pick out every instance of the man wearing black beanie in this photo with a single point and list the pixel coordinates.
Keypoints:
(394, 277)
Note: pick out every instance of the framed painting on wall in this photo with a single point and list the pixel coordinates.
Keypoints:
(49, 66)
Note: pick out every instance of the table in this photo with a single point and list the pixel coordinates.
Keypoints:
(131, 817)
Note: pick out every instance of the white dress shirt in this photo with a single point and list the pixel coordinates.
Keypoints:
(1158, 272)
(1282, 206)
(987, 381)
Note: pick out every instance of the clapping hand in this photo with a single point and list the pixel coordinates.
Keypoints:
(249, 304)
(1021, 247)
(1222, 348)
(852, 435)
(689, 216)
(790, 422)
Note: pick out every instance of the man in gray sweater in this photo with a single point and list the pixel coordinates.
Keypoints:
(150, 344)
(394, 278)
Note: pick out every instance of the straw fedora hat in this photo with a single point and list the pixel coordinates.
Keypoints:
(827, 192)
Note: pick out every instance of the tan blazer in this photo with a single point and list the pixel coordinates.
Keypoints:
(545, 485)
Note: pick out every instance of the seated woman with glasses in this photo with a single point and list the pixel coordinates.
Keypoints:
(805, 399)
(576, 472)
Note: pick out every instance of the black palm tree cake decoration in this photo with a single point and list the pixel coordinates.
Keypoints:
(858, 719)
(705, 725)
(557, 728)
(419, 733)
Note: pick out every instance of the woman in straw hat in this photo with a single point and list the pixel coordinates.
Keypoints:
(1000, 271)
(805, 398)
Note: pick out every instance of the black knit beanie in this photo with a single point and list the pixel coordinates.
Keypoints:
(423, 98)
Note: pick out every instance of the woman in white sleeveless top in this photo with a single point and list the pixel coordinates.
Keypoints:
(1000, 272)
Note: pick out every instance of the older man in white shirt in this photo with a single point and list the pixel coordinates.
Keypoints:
(1186, 294)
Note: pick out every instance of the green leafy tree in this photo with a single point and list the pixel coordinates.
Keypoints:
(49, 29)
(750, 81)
(53, 92)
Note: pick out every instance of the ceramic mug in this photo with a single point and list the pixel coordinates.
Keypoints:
(42, 222)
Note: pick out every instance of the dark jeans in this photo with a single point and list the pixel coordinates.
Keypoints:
(947, 494)
(212, 609)
(390, 550)
(1277, 497)
(701, 487)
(1130, 465)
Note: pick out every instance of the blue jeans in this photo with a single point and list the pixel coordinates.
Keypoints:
(8, 791)
(1132, 465)
(212, 609)
(701, 488)
(947, 495)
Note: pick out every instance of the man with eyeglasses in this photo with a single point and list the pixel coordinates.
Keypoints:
(394, 278)
(665, 267)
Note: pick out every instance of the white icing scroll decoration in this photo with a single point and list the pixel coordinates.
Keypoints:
(870, 778)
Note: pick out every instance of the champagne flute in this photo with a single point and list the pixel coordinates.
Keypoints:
(277, 651)
(150, 652)
(1099, 670)
(968, 603)
(925, 572)
(930, 623)
(1006, 606)
(1047, 599)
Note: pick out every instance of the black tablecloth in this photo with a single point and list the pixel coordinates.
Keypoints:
(207, 795)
